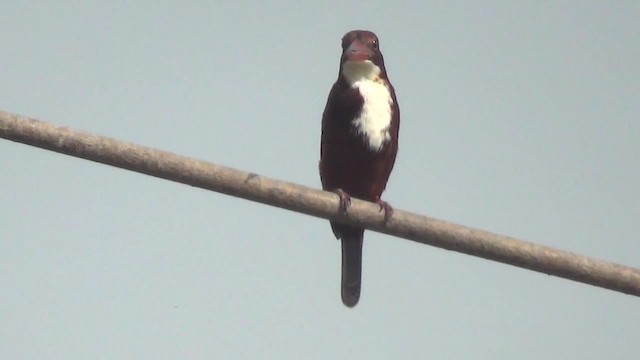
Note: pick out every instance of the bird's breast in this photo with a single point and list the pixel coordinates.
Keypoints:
(374, 120)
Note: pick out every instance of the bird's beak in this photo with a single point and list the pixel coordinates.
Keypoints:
(357, 51)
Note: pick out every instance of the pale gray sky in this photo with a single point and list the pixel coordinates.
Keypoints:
(517, 117)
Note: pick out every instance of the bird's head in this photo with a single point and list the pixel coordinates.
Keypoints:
(361, 57)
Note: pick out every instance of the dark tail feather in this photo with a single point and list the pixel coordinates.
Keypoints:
(351, 266)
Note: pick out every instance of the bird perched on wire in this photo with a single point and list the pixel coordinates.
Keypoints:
(359, 143)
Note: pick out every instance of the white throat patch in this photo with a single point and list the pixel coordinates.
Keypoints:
(374, 120)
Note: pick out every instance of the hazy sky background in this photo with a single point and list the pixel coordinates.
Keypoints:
(517, 117)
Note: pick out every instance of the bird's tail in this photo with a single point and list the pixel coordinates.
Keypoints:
(351, 266)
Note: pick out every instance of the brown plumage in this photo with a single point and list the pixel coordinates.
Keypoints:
(359, 143)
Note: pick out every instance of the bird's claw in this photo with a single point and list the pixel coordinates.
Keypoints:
(345, 200)
(388, 210)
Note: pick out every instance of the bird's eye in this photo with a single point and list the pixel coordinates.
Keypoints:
(374, 44)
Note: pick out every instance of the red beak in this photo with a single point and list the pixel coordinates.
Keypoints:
(357, 51)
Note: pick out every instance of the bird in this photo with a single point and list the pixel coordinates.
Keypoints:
(359, 143)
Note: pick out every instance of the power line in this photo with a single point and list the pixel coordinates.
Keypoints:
(318, 203)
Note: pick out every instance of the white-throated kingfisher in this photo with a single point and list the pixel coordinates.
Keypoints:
(359, 143)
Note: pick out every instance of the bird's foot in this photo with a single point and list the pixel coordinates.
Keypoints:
(345, 200)
(388, 210)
